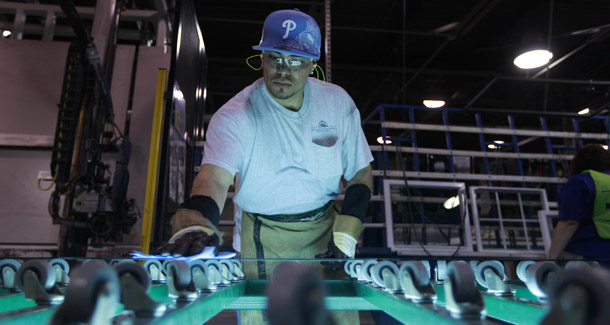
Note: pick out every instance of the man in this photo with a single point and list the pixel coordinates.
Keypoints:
(291, 139)
(583, 229)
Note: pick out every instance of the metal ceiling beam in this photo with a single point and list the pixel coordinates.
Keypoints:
(445, 72)
(470, 20)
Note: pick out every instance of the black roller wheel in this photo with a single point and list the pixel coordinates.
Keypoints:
(353, 269)
(417, 271)
(43, 270)
(150, 263)
(378, 269)
(496, 266)
(199, 264)
(61, 263)
(581, 293)
(135, 270)
(296, 296)
(463, 281)
(9, 262)
(522, 270)
(181, 272)
(538, 277)
(89, 281)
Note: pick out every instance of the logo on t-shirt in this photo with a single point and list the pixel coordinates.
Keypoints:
(324, 135)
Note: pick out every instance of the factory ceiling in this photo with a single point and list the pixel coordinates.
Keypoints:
(397, 52)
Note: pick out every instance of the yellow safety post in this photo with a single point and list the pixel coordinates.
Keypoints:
(153, 162)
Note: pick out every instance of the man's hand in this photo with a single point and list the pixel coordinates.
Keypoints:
(335, 253)
(188, 244)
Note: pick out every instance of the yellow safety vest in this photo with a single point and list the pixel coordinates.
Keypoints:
(601, 203)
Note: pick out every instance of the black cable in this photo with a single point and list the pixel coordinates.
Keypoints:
(409, 199)
(399, 156)
(404, 173)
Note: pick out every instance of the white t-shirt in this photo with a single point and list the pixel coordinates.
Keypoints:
(288, 162)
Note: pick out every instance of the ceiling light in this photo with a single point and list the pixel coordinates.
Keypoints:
(431, 103)
(452, 202)
(6, 33)
(533, 59)
(583, 111)
(492, 146)
(499, 141)
(605, 146)
(380, 140)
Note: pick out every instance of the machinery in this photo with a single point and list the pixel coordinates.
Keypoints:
(89, 201)
(411, 291)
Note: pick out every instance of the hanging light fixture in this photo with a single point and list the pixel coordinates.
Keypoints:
(534, 53)
(433, 98)
(533, 59)
(434, 103)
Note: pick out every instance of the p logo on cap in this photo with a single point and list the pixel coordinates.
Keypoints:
(290, 25)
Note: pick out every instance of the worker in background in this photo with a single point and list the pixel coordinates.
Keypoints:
(291, 139)
(583, 230)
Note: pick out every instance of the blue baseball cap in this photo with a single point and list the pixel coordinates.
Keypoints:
(292, 32)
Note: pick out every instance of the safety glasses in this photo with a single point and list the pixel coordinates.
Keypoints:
(293, 64)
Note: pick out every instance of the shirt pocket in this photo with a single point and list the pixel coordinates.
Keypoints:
(326, 159)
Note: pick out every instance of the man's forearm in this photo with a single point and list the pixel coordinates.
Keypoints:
(564, 230)
(212, 181)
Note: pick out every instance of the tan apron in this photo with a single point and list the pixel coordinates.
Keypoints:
(264, 238)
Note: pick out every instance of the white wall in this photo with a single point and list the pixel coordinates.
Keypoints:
(30, 86)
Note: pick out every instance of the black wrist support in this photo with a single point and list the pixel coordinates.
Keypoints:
(206, 206)
(356, 201)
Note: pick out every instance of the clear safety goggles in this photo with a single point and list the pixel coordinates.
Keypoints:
(292, 64)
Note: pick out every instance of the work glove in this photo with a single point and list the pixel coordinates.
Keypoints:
(342, 244)
(192, 232)
(345, 249)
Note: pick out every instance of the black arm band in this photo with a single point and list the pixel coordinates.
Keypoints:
(206, 206)
(356, 202)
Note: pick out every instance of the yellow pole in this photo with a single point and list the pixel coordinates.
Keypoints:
(153, 163)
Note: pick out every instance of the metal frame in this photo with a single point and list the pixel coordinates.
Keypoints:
(544, 203)
(500, 131)
(50, 13)
(417, 249)
(546, 226)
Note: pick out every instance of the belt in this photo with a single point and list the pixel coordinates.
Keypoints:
(308, 216)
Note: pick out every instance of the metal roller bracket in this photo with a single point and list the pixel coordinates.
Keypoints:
(415, 282)
(385, 275)
(155, 271)
(8, 270)
(215, 275)
(230, 270)
(490, 275)
(364, 273)
(35, 291)
(440, 271)
(199, 271)
(356, 269)
(135, 297)
(62, 268)
(463, 299)
(239, 273)
(179, 283)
